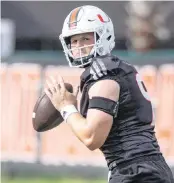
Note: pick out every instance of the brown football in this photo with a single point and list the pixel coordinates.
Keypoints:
(45, 115)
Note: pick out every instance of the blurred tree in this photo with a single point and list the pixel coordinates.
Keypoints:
(147, 23)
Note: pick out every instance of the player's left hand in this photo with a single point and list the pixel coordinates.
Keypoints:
(58, 94)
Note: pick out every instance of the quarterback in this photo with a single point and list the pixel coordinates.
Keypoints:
(115, 111)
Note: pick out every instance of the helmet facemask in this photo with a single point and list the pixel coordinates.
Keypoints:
(82, 61)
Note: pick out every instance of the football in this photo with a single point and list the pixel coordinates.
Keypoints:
(45, 115)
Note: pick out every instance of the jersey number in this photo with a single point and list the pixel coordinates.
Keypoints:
(142, 87)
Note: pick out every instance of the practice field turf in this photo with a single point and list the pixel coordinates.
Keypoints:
(40, 180)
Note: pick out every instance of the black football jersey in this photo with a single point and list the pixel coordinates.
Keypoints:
(132, 134)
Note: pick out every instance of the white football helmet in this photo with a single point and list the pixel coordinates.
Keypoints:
(86, 19)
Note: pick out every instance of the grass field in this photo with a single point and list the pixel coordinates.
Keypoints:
(40, 180)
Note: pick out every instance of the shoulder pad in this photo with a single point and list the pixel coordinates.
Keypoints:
(100, 67)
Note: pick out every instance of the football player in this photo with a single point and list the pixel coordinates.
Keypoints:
(115, 110)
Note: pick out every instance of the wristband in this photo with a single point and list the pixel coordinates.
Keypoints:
(67, 111)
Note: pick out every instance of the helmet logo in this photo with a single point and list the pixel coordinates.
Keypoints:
(101, 18)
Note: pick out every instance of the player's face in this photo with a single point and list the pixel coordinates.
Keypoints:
(82, 40)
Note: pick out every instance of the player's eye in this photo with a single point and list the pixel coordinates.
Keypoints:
(74, 41)
(86, 39)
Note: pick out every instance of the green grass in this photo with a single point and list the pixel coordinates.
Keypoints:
(46, 180)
